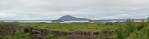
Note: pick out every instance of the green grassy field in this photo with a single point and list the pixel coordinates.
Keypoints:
(72, 27)
(122, 30)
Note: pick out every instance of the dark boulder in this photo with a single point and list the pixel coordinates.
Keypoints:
(38, 36)
(109, 23)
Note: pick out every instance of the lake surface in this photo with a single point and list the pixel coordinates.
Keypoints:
(49, 21)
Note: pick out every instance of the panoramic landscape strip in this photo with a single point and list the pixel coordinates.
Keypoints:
(77, 30)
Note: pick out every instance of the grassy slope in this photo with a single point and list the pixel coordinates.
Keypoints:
(73, 26)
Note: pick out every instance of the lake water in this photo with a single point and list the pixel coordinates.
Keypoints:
(44, 21)
(48, 21)
(27, 21)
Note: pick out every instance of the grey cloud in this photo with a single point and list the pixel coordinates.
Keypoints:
(92, 9)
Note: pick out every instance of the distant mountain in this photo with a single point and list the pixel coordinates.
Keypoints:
(71, 18)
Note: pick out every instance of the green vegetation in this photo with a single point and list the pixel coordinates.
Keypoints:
(50, 36)
(72, 26)
(1, 37)
(19, 35)
(56, 21)
(97, 21)
(122, 30)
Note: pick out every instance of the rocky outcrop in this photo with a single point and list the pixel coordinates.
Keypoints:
(10, 29)
(83, 35)
(38, 33)
(109, 23)
(107, 33)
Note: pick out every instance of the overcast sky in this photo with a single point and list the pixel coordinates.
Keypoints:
(91, 9)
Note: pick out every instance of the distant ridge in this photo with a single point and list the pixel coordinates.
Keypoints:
(126, 19)
(71, 18)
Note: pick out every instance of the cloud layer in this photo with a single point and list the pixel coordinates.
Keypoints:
(54, 9)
